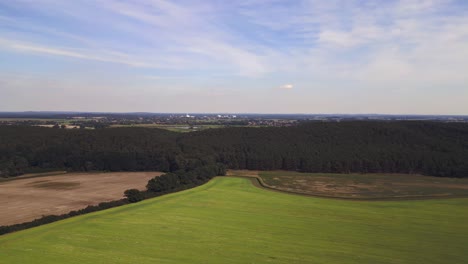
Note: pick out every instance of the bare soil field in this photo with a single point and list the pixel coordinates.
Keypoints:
(360, 186)
(26, 199)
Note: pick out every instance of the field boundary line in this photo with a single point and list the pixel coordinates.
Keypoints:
(33, 175)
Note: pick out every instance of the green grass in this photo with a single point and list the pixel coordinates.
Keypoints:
(228, 220)
(176, 127)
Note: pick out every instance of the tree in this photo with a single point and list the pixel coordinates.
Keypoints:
(134, 195)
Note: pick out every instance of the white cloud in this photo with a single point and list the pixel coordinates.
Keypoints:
(287, 86)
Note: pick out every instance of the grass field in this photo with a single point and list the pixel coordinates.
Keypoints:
(228, 220)
(361, 186)
(174, 128)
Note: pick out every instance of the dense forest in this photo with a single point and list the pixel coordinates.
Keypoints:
(430, 148)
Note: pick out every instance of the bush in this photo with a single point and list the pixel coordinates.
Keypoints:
(134, 195)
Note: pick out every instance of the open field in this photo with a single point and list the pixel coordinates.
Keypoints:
(31, 119)
(228, 220)
(58, 121)
(25, 199)
(361, 186)
(174, 128)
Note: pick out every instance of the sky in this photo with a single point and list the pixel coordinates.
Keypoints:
(245, 56)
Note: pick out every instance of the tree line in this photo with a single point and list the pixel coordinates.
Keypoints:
(429, 148)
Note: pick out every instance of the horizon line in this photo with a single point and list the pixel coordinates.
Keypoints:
(224, 113)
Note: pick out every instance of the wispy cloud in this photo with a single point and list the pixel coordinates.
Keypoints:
(163, 34)
(178, 35)
(113, 57)
(193, 34)
(336, 45)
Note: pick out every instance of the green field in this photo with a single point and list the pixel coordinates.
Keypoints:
(228, 220)
(174, 128)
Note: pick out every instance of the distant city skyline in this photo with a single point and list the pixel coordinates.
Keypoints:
(248, 56)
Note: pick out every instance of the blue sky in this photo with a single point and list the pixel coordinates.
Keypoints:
(309, 56)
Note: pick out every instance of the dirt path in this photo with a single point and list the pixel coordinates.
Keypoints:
(30, 198)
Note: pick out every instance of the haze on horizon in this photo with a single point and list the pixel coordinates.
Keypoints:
(308, 56)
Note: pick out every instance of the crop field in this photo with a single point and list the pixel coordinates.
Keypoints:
(174, 127)
(228, 220)
(27, 198)
(361, 186)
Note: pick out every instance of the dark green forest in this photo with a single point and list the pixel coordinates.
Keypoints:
(429, 148)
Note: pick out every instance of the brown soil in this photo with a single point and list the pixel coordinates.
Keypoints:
(26, 199)
(442, 185)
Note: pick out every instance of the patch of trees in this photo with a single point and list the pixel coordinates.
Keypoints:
(183, 179)
(134, 195)
(176, 181)
(430, 148)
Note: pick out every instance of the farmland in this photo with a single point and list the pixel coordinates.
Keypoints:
(27, 198)
(173, 127)
(228, 220)
(361, 186)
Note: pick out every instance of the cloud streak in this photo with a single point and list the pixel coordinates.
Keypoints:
(333, 47)
(83, 54)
